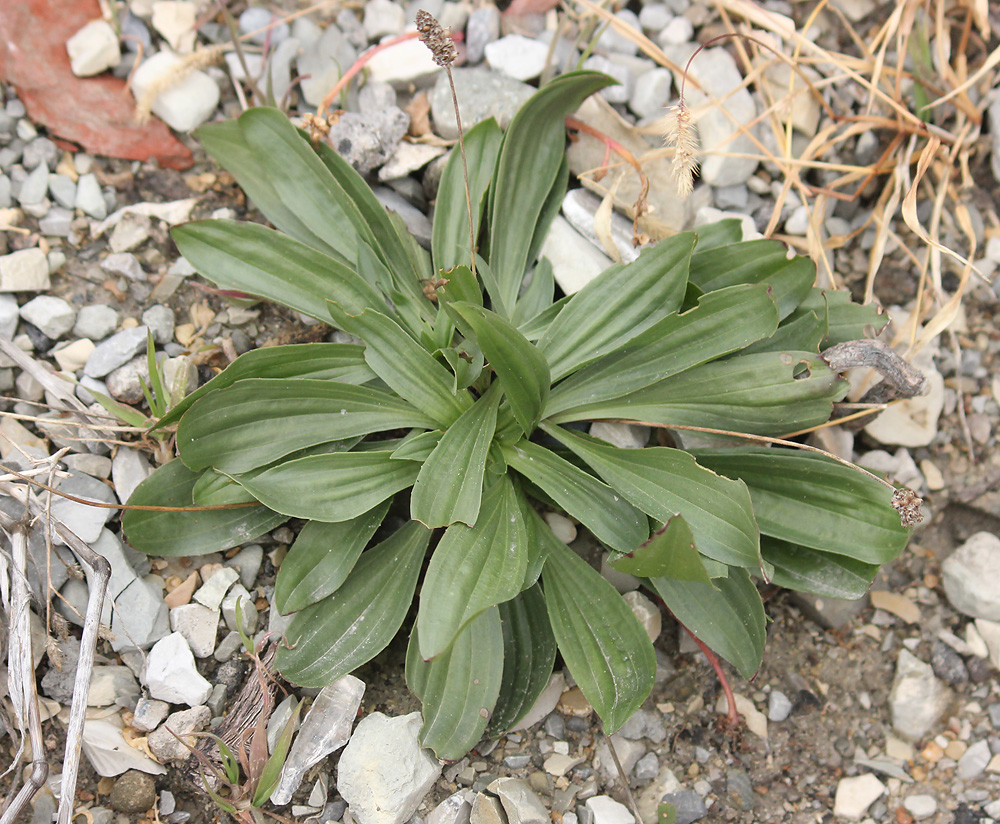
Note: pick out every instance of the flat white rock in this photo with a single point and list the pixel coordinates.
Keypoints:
(199, 625)
(176, 20)
(185, 104)
(608, 811)
(914, 421)
(108, 752)
(970, 576)
(93, 49)
(575, 261)
(171, 674)
(384, 773)
(517, 56)
(855, 795)
(918, 699)
(24, 271)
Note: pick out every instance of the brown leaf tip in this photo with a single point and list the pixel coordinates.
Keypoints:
(907, 503)
(433, 35)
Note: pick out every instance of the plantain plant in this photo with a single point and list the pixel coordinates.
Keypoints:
(419, 458)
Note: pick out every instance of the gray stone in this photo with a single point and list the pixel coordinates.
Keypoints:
(212, 592)
(90, 198)
(187, 103)
(374, 97)
(95, 321)
(487, 810)
(948, 664)
(327, 727)
(247, 563)
(93, 49)
(417, 223)
(256, 18)
(622, 435)
(135, 35)
(109, 683)
(614, 41)
(87, 522)
(920, 806)
(171, 674)
(678, 31)
(116, 351)
(455, 809)
(149, 713)
(140, 617)
(129, 469)
(199, 625)
(160, 320)
(993, 114)
(651, 93)
(279, 720)
(779, 706)
(9, 315)
(653, 17)
(623, 89)
(520, 804)
(164, 743)
(629, 752)
(63, 190)
(53, 316)
(739, 789)
(974, 760)
(382, 18)
(126, 563)
(57, 684)
(324, 62)
(6, 195)
(716, 72)
(517, 56)
(481, 94)
(35, 187)
(124, 264)
(829, 613)
(646, 768)
(384, 773)
(24, 271)
(124, 383)
(970, 575)
(248, 612)
(57, 223)
(483, 28)
(918, 699)
(228, 647)
(133, 792)
(644, 724)
(368, 141)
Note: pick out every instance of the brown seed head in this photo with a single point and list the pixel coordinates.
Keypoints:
(433, 35)
(907, 503)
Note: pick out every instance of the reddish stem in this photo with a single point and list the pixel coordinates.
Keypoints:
(359, 64)
(732, 717)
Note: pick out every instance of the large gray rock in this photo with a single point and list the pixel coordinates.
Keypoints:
(115, 351)
(918, 699)
(481, 94)
(366, 141)
(87, 522)
(384, 773)
(140, 617)
(971, 577)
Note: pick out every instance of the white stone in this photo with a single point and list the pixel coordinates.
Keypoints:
(913, 422)
(129, 468)
(383, 17)
(248, 612)
(971, 576)
(614, 41)
(108, 752)
(325, 729)
(779, 706)
(918, 699)
(90, 198)
(974, 760)
(855, 795)
(629, 752)
(93, 49)
(110, 682)
(709, 214)
(545, 703)
(176, 20)
(247, 563)
(622, 435)
(199, 625)
(149, 713)
(185, 104)
(384, 773)
(214, 590)
(678, 31)
(164, 743)
(519, 802)
(140, 617)
(73, 355)
(517, 56)
(53, 316)
(647, 613)
(989, 631)
(651, 92)
(406, 63)
(562, 527)
(575, 262)
(24, 271)
(171, 674)
(454, 809)
(608, 811)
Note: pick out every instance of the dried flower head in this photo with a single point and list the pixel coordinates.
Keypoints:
(907, 503)
(318, 127)
(681, 136)
(439, 41)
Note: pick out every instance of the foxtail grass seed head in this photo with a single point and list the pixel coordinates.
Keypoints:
(682, 137)
(433, 35)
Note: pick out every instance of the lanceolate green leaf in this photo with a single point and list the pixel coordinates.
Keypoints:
(720, 233)
(258, 421)
(449, 487)
(815, 502)
(520, 368)
(472, 568)
(406, 367)
(343, 362)
(602, 509)
(344, 630)
(529, 652)
(459, 688)
(728, 616)
(188, 533)
(330, 487)
(617, 305)
(665, 482)
(300, 178)
(756, 261)
(540, 540)
(821, 573)
(721, 323)
(601, 641)
(532, 153)
(671, 552)
(266, 263)
(450, 240)
(771, 393)
(845, 319)
(227, 144)
(321, 558)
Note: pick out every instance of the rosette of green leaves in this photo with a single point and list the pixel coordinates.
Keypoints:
(462, 412)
